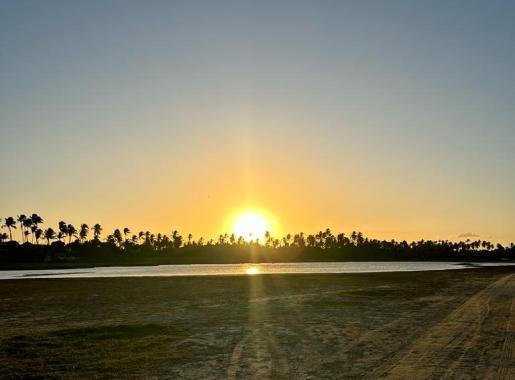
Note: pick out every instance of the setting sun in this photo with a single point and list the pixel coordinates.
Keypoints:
(251, 226)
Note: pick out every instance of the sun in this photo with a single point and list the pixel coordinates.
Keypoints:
(251, 226)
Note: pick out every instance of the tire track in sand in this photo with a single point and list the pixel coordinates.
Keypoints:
(507, 347)
(258, 354)
(441, 353)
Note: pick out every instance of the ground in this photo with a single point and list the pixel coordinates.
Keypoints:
(445, 324)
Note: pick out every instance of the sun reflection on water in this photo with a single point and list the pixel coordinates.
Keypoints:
(252, 270)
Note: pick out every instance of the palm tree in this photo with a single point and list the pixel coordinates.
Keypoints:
(10, 223)
(268, 239)
(311, 240)
(126, 232)
(38, 233)
(71, 231)
(32, 223)
(97, 231)
(3, 236)
(21, 219)
(33, 230)
(159, 240)
(27, 224)
(63, 229)
(84, 230)
(36, 220)
(359, 239)
(353, 237)
(49, 234)
(165, 242)
(118, 236)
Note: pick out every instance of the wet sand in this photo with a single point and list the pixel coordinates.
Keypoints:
(418, 325)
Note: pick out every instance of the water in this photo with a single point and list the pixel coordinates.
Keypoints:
(241, 269)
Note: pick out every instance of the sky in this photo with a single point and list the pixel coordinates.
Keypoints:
(393, 118)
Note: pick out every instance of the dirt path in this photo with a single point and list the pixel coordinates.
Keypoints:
(474, 341)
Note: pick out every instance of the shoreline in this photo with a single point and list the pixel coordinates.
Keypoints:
(246, 269)
(6, 266)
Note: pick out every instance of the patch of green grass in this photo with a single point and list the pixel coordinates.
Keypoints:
(106, 349)
(112, 332)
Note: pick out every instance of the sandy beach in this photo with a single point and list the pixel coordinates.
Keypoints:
(419, 325)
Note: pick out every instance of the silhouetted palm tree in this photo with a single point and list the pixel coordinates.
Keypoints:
(126, 232)
(27, 225)
(311, 240)
(38, 233)
(176, 239)
(33, 230)
(36, 220)
(97, 231)
(118, 237)
(268, 239)
(71, 231)
(10, 223)
(354, 237)
(21, 219)
(63, 230)
(83, 233)
(49, 234)
(359, 239)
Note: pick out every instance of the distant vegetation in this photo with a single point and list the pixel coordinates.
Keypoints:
(85, 245)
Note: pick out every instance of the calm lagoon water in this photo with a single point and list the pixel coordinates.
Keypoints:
(242, 269)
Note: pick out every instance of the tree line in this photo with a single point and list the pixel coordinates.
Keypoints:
(31, 232)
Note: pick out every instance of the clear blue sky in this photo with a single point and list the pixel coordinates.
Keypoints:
(396, 118)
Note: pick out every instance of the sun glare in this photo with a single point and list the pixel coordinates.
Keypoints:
(252, 270)
(251, 226)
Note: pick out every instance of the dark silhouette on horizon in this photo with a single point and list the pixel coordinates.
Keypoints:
(68, 243)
